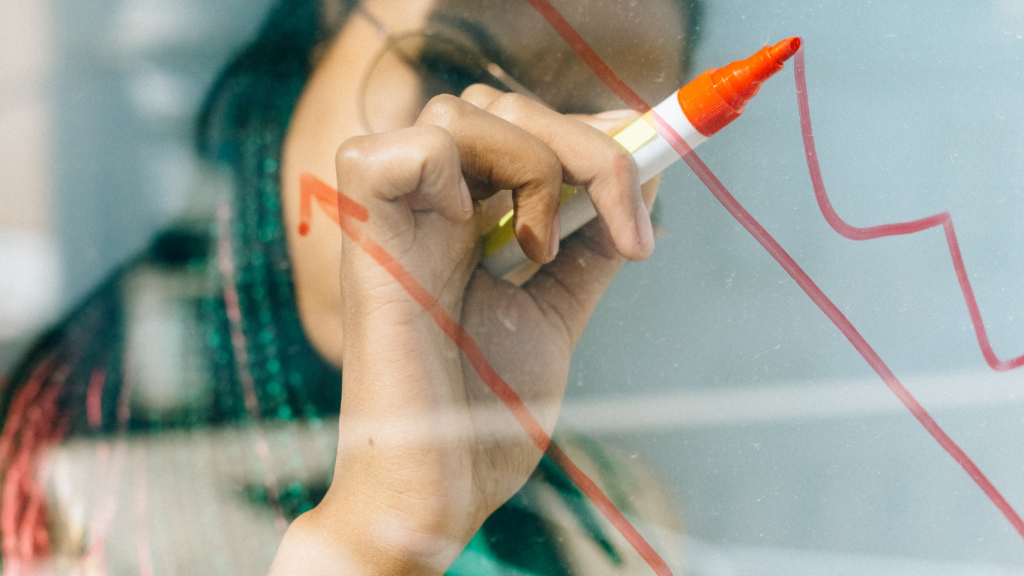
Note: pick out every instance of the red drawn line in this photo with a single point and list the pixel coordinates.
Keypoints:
(583, 49)
(793, 269)
(343, 210)
(862, 346)
(328, 199)
(894, 229)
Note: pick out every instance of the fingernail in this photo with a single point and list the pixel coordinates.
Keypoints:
(464, 197)
(554, 235)
(644, 230)
(615, 114)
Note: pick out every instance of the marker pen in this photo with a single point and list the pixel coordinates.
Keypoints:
(696, 111)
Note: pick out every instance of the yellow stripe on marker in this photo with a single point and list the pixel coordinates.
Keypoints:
(632, 138)
(637, 134)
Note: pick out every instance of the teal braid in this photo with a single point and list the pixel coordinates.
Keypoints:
(244, 124)
(242, 127)
(85, 360)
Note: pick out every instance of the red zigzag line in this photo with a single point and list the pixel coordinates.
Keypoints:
(787, 262)
(895, 229)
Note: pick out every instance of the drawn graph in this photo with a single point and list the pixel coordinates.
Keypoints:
(324, 196)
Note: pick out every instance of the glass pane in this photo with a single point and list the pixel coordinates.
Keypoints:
(172, 405)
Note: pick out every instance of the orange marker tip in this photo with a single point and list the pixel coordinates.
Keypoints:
(717, 97)
(784, 50)
(304, 229)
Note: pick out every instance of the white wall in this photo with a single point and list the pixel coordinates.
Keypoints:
(29, 271)
(130, 75)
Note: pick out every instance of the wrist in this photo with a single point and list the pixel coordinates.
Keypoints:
(361, 541)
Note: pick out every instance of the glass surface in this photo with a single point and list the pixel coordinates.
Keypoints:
(787, 452)
(707, 365)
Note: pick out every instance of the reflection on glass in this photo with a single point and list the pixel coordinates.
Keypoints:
(178, 418)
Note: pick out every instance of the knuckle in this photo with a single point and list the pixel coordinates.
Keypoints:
(511, 107)
(351, 154)
(442, 110)
(436, 151)
(434, 141)
(438, 144)
(479, 93)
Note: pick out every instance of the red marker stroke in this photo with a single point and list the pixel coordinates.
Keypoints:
(794, 270)
(349, 215)
(346, 213)
(893, 229)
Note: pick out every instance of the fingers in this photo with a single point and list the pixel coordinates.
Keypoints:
(569, 288)
(419, 165)
(498, 155)
(589, 157)
(512, 143)
(480, 95)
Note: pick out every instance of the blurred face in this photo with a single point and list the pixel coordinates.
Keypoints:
(202, 491)
(641, 41)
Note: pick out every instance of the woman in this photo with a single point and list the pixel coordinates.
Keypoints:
(427, 455)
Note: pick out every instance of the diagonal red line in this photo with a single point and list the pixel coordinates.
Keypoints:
(587, 53)
(347, 213)
(794, 270)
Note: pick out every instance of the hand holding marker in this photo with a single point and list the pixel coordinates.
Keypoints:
(697, 111)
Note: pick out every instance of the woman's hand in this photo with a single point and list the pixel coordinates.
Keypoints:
(427, 451)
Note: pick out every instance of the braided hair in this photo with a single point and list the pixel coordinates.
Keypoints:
(250, 348)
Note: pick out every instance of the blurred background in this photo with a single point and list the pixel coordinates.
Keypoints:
(784, 451)
(97, 105)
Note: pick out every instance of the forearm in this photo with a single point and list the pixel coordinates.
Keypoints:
(392, 509)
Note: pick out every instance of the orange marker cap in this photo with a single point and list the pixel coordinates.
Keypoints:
(717, 97)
